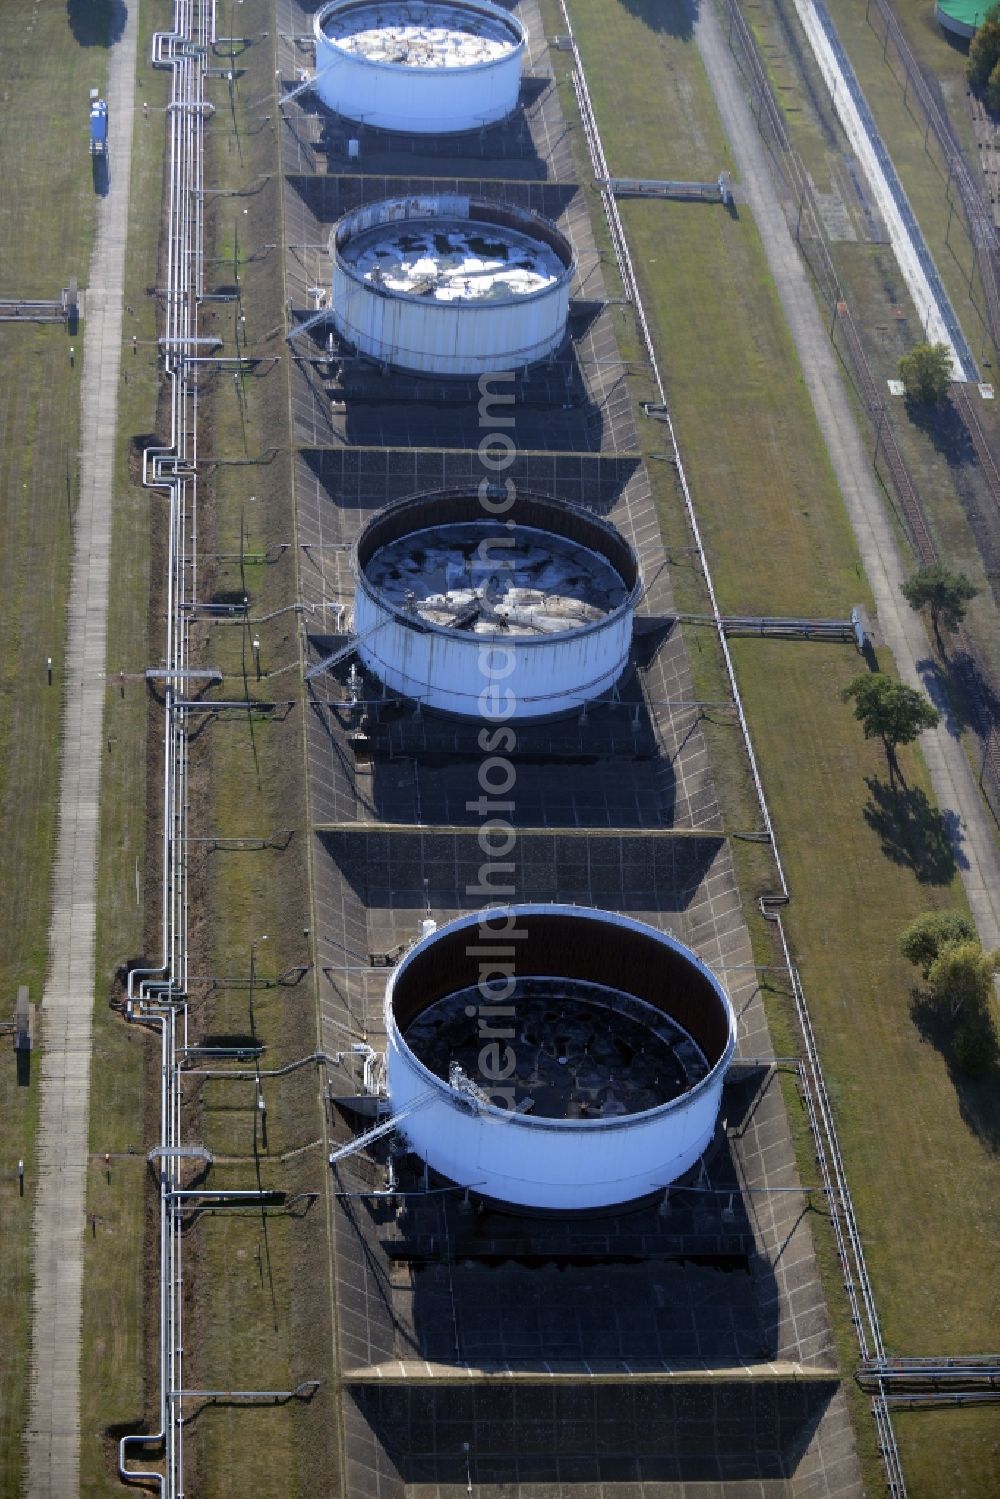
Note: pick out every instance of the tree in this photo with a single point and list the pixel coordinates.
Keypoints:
(984, 49)
(889, 711)
(975, 1046)
(926, 373)
(943, 594)
(991, 94)
(927, 937)
(961, 979)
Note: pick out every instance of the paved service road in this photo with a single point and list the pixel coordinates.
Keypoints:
(952, 777)
(53, 1434)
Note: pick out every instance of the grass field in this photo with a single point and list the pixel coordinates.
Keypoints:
(45, 239)
(920, 1146)
(116, 1305)
(258, 1329)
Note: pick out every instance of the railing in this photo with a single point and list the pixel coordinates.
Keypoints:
(969, 1379)
(157, 996)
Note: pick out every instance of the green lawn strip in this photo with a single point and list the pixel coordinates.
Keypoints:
(746, 429)
(949, 1452)
(798, 87)
(47, 217)
(119, 1288)
(258, 1258)
(37, 490)
(247, 781)
(920, 168)
(778, 538)
(19, 1109)
(118, 1307)
(912, 1157)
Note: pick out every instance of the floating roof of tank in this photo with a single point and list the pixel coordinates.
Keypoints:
(544, 568)
(452, 249)
(474, 575)
(453, 261)
(581, 1050)
(617, 957)
(442, 35)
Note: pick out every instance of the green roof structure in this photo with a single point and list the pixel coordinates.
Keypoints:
(963, 17)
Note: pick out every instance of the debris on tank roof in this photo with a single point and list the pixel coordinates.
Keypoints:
(531, 582)
(424, 36)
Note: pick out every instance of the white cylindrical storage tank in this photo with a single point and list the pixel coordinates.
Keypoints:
(430, 69)
(484, 604)
(583, 1069)
(448, 285)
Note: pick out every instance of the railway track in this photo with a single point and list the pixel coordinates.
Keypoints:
(865, 381)
(906, 495)
(985, 723)
(976, 207)
(966, 409)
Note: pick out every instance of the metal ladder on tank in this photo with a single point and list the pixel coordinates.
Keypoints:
(378, 1131)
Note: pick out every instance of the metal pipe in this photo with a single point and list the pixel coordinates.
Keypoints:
(307, 1384)
(316, 1056)
(253, 1194)
(156, 995)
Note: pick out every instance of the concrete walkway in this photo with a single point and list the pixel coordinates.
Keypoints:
(53, 1435)
(954, 782)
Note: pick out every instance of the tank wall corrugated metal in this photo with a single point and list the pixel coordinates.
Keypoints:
(546, 1163)
(447, 338)
(450, 670)
(400, 211)
(421, 101)
(507, 1159)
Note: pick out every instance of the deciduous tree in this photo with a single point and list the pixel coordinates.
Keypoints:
(890, 711)
(984, 49)
(960, 979)
(926, 937)
(943, 594)
(926, 373)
